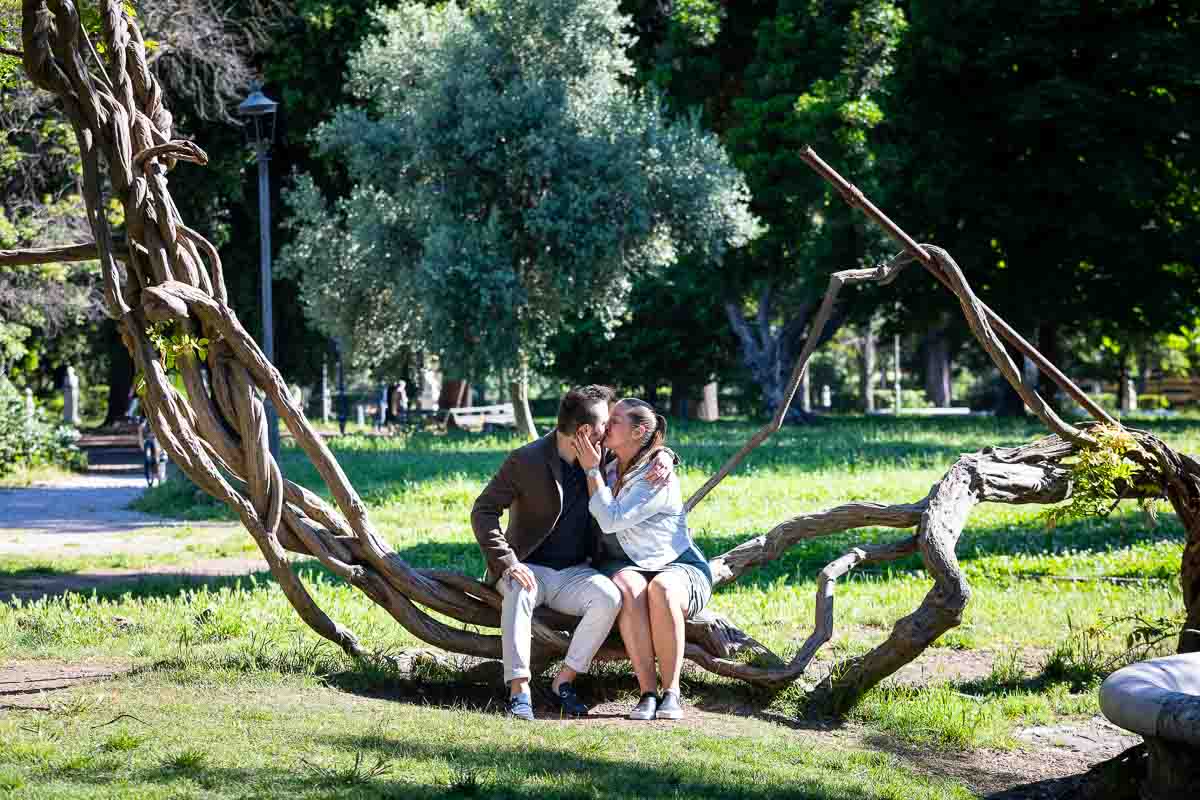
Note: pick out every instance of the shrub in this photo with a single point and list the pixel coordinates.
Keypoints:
(33, 442)
(1153, 402)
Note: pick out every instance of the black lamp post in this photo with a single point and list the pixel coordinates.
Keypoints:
(259, 111)
(343, 406)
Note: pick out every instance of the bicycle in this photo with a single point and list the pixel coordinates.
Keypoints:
(154, 458)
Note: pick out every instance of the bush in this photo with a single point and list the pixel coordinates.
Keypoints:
(33, 442)
(1153, 402)
(910, 398)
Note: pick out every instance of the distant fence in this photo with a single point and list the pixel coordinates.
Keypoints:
(1177, 391)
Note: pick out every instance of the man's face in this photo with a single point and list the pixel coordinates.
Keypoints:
(600, 414)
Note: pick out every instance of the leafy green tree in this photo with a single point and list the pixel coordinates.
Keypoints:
(672, 331)
(771, 78)
(506, 177)
(1051, 148)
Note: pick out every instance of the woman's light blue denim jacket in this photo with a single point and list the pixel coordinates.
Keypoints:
(648, 521)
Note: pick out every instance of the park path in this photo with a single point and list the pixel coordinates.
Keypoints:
(83, 512)
(87, 515)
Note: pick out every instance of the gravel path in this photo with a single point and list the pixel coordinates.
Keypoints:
(91, 503)
(88, 514)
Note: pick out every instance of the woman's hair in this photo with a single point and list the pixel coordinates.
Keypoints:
(641, 413)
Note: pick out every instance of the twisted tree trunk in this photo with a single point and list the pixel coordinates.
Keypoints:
(217, 435)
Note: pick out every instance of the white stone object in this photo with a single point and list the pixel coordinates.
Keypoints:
(1154, 698)
(360, 414)
(326, 397)
(30, 409)
(710, 407)
(71, 397)
(1129, 396)
(431, 389)
(826, 396)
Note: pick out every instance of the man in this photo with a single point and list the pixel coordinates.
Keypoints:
(542, 558)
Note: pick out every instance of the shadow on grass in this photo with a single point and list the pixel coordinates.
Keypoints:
(409, 768)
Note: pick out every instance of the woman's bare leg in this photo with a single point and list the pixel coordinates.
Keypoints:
(634, 624)
(666, 600)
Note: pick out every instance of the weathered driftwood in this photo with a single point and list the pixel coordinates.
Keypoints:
(218, 437)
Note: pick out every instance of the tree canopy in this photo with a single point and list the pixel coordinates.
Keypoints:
(506, 175)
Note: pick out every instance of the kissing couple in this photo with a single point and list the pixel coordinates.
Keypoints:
(596, 529)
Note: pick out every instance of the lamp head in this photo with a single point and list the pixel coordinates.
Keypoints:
(259, 111)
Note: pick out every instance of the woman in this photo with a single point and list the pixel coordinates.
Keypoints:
(647, 551)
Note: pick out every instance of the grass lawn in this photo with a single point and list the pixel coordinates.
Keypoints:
(231, 696)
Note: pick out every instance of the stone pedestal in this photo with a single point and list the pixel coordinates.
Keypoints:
(1173, 771)
(326, 397)
(709, 408)
(1128, 396)
(30, 408)
(360, 414)
(431, 389)
(71, 398)
(826, 396)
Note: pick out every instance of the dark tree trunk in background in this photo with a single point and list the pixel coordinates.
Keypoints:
(1145, 359)
(120, 372)
(937, 368)
(770, 353)
(1009, 403)
(683, 399)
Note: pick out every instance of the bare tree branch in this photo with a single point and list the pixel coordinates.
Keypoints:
(84, 251)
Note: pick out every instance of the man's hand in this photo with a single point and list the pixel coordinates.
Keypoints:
(661, 470)
(523, 575)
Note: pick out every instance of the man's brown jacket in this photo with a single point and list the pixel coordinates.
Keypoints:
(529, 487)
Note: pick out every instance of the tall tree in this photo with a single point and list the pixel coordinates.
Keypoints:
(526, 181)
(772, 77)
(1053, 148)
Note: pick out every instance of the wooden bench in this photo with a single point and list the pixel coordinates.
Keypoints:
(478, 418)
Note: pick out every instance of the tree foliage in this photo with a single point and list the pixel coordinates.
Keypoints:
(1055, 148)
(505, 177)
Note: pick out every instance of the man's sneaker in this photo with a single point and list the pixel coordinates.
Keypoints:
(569, 701)
(669, 707)
(520, 706)
(646, 707)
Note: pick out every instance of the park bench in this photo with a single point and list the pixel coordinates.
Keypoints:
(479, 418)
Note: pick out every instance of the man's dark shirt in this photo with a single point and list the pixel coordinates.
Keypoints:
(571, 541)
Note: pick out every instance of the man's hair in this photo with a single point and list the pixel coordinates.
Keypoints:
(577, 407)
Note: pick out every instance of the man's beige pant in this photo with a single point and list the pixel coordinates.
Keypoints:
(579, 591)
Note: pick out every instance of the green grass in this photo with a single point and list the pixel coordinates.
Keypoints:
(238, 696)
(293, 736)
(23, 476)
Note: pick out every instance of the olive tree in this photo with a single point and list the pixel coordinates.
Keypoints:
(505, 175)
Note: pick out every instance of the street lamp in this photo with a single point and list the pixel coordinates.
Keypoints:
(343, 406)
(259, 111)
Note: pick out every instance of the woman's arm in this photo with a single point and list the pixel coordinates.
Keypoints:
(639, 500)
